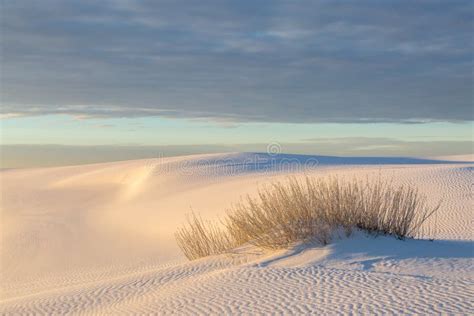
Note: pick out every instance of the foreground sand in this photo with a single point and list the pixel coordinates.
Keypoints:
(98, 239)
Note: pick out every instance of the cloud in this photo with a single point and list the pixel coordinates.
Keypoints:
(279, 61)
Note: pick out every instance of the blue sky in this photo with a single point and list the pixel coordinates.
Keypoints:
(224, 73)
(67, 130)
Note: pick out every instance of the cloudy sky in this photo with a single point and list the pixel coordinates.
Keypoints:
(166, 73)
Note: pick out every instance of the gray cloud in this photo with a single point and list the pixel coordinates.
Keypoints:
(274, 61)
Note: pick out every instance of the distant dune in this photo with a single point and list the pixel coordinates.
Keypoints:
(99, 239)
(457, 157)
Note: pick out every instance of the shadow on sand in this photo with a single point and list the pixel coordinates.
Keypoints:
(375, 248)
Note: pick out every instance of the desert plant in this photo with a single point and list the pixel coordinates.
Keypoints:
(203, 238)
(308, 211)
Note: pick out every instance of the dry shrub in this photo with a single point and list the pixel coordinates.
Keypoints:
(308, 211)
(203, 238)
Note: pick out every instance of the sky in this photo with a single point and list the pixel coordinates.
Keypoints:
(319, 77)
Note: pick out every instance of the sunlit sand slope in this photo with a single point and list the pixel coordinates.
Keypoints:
(99, 239)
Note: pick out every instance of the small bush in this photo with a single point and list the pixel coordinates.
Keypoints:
(200, 239)
(308, 211)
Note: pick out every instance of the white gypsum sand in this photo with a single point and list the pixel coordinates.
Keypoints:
(99, 239)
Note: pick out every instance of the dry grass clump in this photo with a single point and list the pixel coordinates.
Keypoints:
(203, 238)
(308, 211)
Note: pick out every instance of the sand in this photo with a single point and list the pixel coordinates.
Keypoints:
(99, 239)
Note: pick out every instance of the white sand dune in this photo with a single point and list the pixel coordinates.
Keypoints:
(99, 239)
